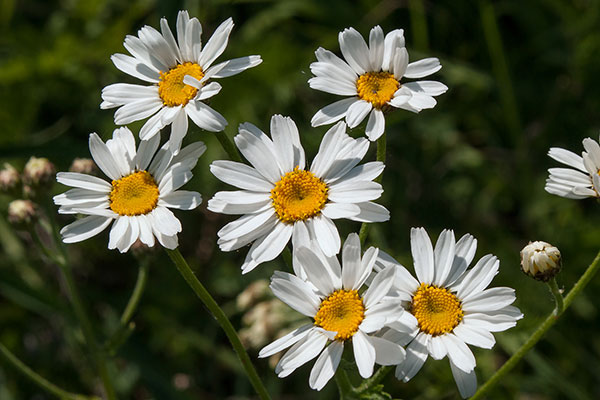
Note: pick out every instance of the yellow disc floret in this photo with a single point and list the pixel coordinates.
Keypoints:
(134, 194)
(377, 87)
(298, 195)
(341, 312)
(171, 88)
(437, 310)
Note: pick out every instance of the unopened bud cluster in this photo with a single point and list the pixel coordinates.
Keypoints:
(9, 178)
(22, 212)
(38, 172)
(540, 260)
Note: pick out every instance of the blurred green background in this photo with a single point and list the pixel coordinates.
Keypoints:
(523, 76)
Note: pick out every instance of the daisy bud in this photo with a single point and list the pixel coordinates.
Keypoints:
(255, 292)
(540, 260)
(9, 178)
(38, 172)
(22, 212)
(83, 166)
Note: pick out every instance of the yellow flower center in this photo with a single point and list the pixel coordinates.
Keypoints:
(171, 88)
(134, 194)
(298, 195)
(377, 87)
(436, 309)
(341, 312)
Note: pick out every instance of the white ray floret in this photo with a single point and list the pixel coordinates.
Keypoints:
(143, 184)
(582, 179)
(330, 296)
(280, 198)
(451, 304)
(372, 76)
(179, 72)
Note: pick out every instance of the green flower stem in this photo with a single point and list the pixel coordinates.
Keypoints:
(97, 354)
(418, 22)
(125, 327)
(343, 383)
(228, 146)
(542, 329)
(558, 298)
(40, 381)
(381, 150)
(375, 379)
(221, 318)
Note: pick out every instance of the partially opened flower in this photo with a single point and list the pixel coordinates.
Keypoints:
(580, 181)
(371, 75)
(179, 73)
(143, 186)
(452, 306)
(281, 198)
(331, 295)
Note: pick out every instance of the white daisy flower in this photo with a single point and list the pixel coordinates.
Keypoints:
(452, 306)
(578, 183)
(282, 199)
(371, 75)
(179, 72)
(144, 186)
(332, 297)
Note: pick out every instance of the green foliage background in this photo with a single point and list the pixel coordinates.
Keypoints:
(523, 77)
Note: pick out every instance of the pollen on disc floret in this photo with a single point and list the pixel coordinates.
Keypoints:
(436, 309)
(298, 195)
(377, 87)
(134, 194)
(341, 312)
(171, 88)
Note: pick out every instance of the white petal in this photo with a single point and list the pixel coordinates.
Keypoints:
(371, 212)
(137, 110)
(261, 156)
(458, 352)
(327, 235)
(464, 253)
(416, 354)
(240, 175)
(478, 278)
(357, 112)
(77, 180)
(179, 129)
(333, 112)
(315, 271)
(355, 192)
(387, 352)
(285, 341)
(393, 41)
(135, 68)
(239, 202)
(336, 64)
(489, 300)
(422, 68)
(355, 50)
(465, 381)
(146, 151)
(567, 157)
(380, 286)
(234, 66)
(166, 222)
(421, 101)
(181, 199)
(216, 44)
(146, 235)
(422, 252)
(103, 157)
(296, 293)
(286, 142)
(122, 93)
(436, 348)
(340, 210)
(205, 117)
(268, 247)
(443, 256)
(84, 228)
(474, 336)
(131, 235)
(399, 62)
(376, 48)
(326, 365)
(380, 314)
(431, 88)
(117, 232)
(352, 270)
(375, 125)
(302, 352)
(364, 354)
(245, 224)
